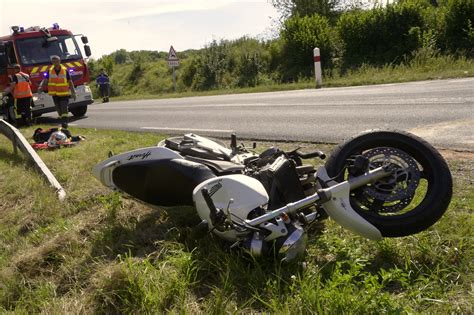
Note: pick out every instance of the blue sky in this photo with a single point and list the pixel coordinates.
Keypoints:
(142, 24)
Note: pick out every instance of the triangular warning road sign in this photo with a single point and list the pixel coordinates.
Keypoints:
(172, 54)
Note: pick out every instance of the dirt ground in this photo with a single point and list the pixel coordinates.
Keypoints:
(457, 155)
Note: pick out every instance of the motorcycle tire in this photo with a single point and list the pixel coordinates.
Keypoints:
(435, 181)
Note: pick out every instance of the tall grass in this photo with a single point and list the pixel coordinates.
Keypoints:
(100, 252)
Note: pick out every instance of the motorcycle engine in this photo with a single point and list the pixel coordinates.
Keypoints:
(287, 248)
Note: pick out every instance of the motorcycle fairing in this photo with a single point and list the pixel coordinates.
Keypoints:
(236, 194)
(340, 210)
(103, 170)
(161, 182)
(155, 175)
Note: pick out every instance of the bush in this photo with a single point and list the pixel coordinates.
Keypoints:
(226, 64)
(459, 27)
(210, 66)
(382, 35)
(248, 62)
(300, 36)
(137, 71)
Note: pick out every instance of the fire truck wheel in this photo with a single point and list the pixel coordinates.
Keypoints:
(79, 111)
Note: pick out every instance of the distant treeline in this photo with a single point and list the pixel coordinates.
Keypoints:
(348, 35)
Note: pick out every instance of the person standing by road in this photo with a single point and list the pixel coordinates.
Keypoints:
(20, 88)
(60, 87)
(103, 83)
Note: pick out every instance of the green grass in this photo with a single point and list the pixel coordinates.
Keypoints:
(99, 252)
(425, 65)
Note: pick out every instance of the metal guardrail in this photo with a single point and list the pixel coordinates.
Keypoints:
(19, 142)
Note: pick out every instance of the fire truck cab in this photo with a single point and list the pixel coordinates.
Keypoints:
(32, 49)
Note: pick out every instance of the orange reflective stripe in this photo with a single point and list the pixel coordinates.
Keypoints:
(57, 83)
(22, 87)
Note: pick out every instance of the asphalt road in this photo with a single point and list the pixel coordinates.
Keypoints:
(440, 111)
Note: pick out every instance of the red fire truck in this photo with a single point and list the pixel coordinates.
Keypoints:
(32, 49)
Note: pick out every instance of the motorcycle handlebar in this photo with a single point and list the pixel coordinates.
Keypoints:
(209, 202)
(217, 216)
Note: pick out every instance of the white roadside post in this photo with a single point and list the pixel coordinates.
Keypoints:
(317, 68)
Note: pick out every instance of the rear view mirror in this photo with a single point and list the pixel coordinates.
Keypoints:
(87, 50)
(84, 39)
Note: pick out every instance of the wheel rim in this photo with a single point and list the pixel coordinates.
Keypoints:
(393, 195)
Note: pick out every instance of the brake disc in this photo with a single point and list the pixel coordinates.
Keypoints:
(395, 192)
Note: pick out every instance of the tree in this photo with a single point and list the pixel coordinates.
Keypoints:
(288, 8)
(327, 8)
(107, 63)
(120, 56)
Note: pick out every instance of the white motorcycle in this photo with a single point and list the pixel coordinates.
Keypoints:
(377, 184)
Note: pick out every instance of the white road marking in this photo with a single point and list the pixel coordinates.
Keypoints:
(188, 129)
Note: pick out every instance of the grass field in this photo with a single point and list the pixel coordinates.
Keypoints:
(99, 252)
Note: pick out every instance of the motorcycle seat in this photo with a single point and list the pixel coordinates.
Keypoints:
(217, 166)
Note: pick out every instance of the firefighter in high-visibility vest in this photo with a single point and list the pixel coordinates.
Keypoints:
(60, 87)
(20, 88)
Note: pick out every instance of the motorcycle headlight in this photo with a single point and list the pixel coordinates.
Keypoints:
(35, 98)
(294, 246)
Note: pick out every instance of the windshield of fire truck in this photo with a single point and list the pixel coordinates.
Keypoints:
(37, 50)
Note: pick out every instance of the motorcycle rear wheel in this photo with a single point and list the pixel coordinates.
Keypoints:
(424, 187)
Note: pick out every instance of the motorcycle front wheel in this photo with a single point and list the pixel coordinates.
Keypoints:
(410, 200)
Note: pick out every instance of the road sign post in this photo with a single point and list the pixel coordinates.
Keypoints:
(174, 79)
(173, 62)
